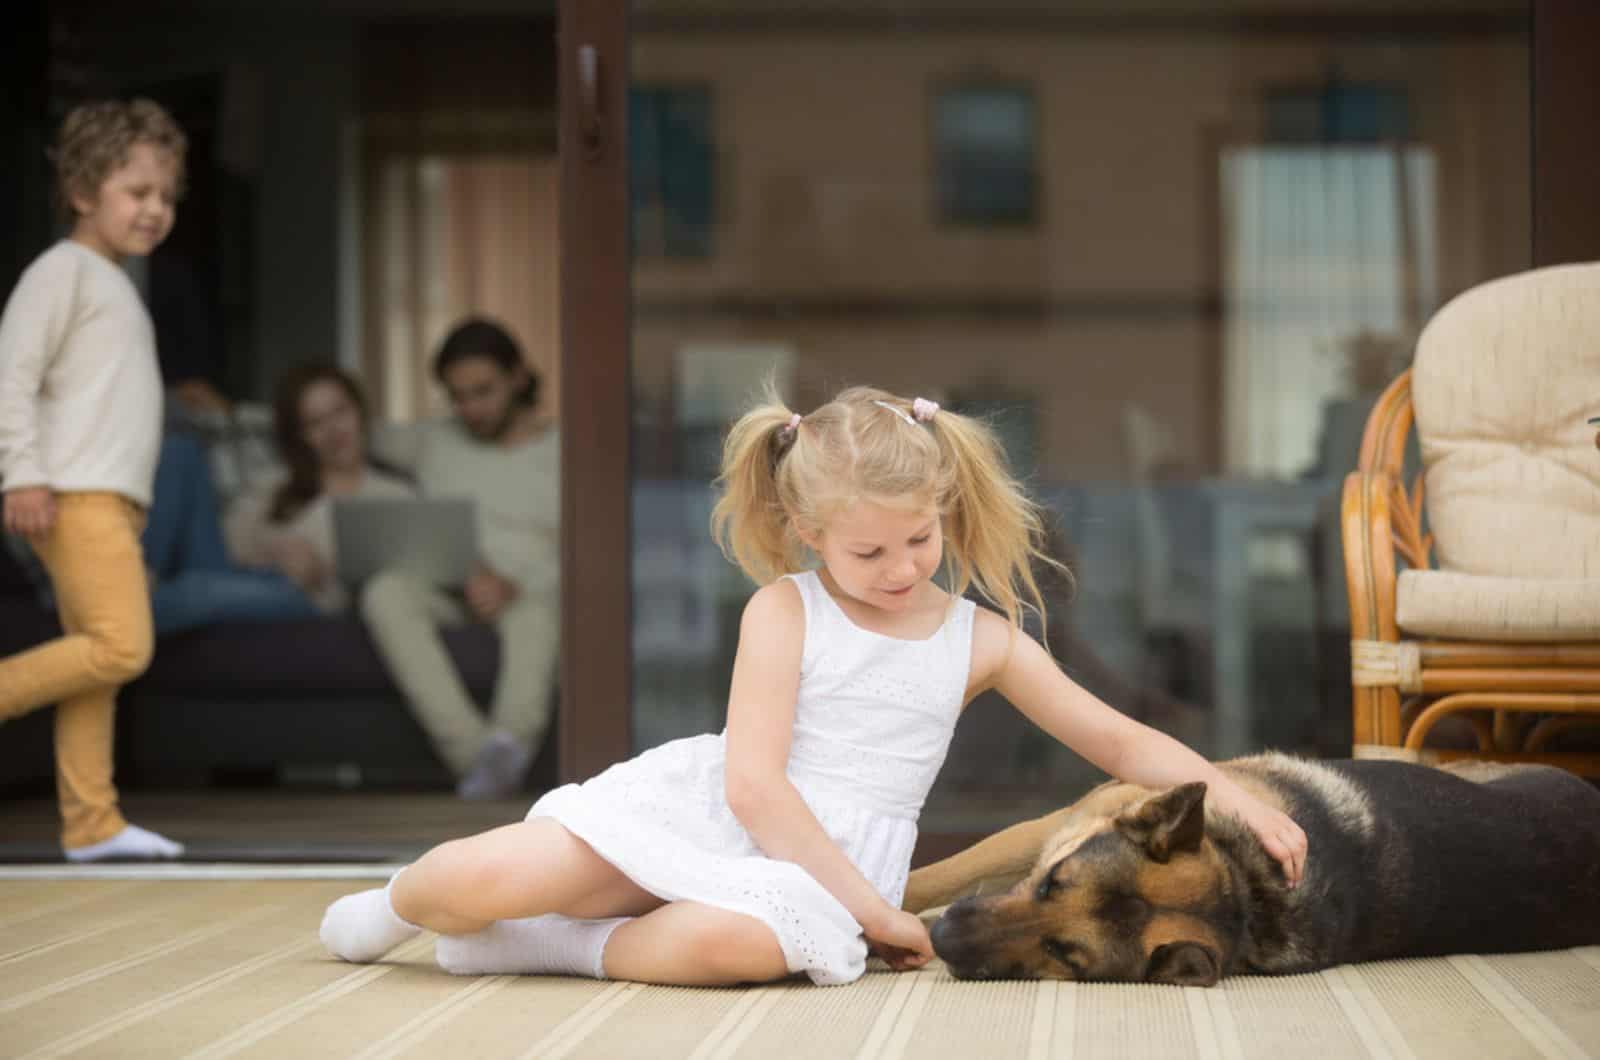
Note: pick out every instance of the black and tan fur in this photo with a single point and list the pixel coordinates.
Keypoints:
(1404, 861)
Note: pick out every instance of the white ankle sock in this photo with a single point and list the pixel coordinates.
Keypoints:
(539, 945)
(130, 843)
(363, 927)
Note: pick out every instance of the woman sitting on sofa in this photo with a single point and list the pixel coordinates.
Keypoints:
(194, 581)
(320, 424)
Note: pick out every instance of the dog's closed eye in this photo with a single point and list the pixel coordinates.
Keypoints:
(1049, 886)
(1067, 954)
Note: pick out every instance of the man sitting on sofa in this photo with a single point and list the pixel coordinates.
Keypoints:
(499, 451)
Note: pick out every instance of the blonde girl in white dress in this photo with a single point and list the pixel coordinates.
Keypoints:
(781, 845)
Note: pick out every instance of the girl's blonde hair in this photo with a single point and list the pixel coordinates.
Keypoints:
(784, 475)
(95, 139)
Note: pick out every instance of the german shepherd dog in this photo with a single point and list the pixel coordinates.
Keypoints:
(1404, 860)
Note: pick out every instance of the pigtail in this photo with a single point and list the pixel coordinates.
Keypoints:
(994, 532)
(750, 522)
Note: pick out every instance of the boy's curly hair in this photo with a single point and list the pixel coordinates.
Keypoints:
(95, 139)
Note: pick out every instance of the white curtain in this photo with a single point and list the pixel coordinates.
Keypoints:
(468, 234)
(1319, 248)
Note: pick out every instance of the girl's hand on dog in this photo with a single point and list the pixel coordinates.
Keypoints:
(1281, 837)
(901, 939)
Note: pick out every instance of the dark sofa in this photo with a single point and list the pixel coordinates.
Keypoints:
(294, 702)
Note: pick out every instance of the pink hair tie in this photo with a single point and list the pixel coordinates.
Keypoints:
(923, 409)
(792, 426)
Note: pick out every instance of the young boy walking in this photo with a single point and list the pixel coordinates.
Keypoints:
(80, 430)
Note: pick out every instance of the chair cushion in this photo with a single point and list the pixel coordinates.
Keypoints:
(1478, 607)
(1505, 376)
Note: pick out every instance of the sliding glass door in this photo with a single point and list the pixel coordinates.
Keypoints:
(1170, 251)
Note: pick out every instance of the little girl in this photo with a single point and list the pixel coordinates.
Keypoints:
(782, 844)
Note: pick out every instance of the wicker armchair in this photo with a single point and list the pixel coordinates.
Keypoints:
(1496, 616)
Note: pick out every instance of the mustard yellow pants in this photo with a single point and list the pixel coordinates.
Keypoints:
(96, 566)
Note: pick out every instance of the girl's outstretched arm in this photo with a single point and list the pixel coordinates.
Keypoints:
(1015, 665)
(761, 704)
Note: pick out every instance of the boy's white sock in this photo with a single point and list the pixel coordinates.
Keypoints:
(540, 945)
(363, 927)
(132, 842)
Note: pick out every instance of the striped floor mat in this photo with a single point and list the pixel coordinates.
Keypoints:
(230, 966)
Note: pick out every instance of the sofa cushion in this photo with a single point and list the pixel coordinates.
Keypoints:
(315, 657)
(1505, 377)
(23, 623)
(1478, 607)
(307, 656)
(14, 577)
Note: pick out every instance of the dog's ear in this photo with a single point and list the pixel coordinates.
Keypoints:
(1170, 823)
(1183, 964)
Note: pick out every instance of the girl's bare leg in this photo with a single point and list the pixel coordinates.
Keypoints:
(462, 887)
(689, 944)
(520, 870)
(537, 867)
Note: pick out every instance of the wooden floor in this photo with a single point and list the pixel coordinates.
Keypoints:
(133, 968)
(274, 825)
(287, 825)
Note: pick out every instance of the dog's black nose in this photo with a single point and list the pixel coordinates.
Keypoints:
(951, 935)
(961, 909)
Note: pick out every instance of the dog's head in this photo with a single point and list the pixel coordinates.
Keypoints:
(1130, 891)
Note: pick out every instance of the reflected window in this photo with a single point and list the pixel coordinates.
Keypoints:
(671, 156)
(986, 154)
(1338, 112)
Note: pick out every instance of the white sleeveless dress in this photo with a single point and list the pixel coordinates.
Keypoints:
(872, 724)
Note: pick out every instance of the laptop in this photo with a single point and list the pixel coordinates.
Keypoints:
(435, 539)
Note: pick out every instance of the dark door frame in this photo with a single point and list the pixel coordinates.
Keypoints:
(1566, 111)
(596, 550)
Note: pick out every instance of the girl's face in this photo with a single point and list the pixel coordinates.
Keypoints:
(331, 425)
(134, 207)
(880, 555)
